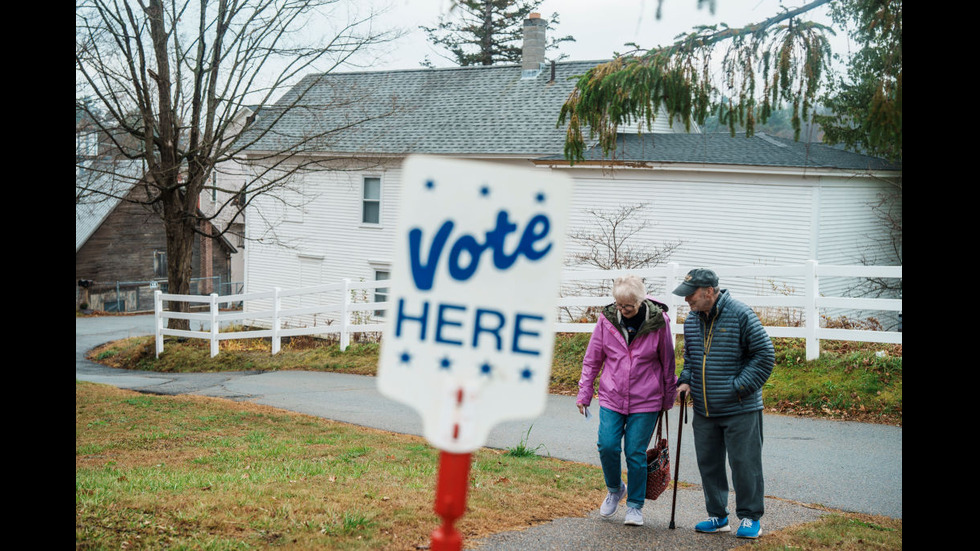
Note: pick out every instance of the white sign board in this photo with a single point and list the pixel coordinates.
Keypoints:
(473, 298)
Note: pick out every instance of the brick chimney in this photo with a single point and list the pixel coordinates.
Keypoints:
(532, 55)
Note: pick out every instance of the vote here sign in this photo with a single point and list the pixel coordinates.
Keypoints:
(473, 295)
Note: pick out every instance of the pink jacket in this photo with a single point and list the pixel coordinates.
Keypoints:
(636, 378)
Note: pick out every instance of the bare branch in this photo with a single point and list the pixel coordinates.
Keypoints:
(164, 83)
(615, 242)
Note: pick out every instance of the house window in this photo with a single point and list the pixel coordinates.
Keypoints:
(159, 264)
(381, 293)
(371, 204)
(86, 144)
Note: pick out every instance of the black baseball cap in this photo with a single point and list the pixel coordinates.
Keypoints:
(696, 278)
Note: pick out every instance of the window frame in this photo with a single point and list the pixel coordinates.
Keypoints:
(159, 263)
(381, 292)
(365, 201)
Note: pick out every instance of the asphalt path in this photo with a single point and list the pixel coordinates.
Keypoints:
(809, 464)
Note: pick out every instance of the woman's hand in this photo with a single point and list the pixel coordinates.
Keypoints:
(581, 408)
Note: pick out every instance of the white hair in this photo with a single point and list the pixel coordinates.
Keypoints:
(629, 288)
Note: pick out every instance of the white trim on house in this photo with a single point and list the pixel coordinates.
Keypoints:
(610, 167)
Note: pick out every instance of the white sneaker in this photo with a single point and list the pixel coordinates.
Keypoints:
(634, 517)
(611, 502)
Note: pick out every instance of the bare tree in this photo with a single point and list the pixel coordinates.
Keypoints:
(611, 242)
(887, 246)
(164, 82)
(614, 241)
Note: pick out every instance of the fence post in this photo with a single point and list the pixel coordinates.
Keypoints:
(345, 316)
(276, 303)
(214, 324)
(158, 320)
(811, 314)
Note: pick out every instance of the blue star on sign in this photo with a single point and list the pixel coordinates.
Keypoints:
(526, 374)
(406, 357)
(485, 190)
(429, 184)
(539, 197)
(445, 363)
(486, 368)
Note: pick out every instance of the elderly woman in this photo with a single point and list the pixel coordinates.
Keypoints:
(633, 347)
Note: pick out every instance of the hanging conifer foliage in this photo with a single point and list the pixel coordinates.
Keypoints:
(779, 61)
(866, 102)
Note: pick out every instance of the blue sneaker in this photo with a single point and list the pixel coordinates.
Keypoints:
(611, 503)
(712, 525)
(749, 529)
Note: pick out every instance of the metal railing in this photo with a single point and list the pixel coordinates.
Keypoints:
(343, 316)
(137, 296)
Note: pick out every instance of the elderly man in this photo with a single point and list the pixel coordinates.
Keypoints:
(727, 358)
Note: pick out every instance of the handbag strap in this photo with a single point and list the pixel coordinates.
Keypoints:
(661, 422)
(663, 414)
(662, 418)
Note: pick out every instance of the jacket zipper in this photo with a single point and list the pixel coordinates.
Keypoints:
(706, 344)
(629, 351)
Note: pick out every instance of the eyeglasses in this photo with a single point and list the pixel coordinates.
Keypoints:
(626, 307)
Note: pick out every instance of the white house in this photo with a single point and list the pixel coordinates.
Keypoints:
(220, 202)
(721, 200)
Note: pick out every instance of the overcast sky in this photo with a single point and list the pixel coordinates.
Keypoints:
(600, 27)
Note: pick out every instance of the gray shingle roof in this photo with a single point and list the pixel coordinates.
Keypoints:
(490, 111)
(462, 110)
(99, 188)
(722, 148)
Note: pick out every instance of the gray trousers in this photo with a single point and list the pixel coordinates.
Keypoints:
(740, 437)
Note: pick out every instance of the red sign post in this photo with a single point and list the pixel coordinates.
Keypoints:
(454, 478)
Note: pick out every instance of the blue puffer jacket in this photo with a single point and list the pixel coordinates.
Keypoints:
(740, 358)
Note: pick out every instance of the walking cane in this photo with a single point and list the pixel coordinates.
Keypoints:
(677, 461)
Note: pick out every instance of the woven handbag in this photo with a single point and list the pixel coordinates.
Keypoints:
(658, 462)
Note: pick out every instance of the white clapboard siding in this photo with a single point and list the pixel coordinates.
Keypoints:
(851, 233)
(728, 216)
(735, 222)
(330, 243)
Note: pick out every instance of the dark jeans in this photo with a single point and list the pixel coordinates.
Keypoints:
(632, 432)
(740, 437)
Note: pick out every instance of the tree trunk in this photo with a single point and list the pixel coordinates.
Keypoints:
(180, 252)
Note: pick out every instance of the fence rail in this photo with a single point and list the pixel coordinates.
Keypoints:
(272, 319)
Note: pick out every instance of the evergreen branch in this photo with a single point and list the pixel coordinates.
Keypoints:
(634, 88)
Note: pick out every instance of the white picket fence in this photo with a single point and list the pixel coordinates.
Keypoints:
(274, 322)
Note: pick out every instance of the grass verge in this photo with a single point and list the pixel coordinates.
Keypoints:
(838, 532)
(196, 472)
